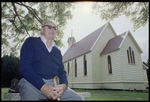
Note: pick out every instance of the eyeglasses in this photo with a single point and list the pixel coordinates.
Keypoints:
(50, 27)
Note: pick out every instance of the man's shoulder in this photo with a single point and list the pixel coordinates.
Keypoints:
(56, 48)
(32, 39)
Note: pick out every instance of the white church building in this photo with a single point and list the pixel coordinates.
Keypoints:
(105, 60)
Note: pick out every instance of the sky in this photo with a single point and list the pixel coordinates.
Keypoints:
(85, 22)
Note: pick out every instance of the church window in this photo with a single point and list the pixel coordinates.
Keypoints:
(68, 68)
(75, 68)
(133, 57)
(109, 64)
(85, 65)
(130, 54)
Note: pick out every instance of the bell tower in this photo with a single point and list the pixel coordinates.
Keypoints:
(71, 40)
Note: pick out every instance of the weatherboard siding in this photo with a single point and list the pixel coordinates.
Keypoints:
(121, 70)
(116, 72)
(97, 49)
(131, 72)
(80, 80)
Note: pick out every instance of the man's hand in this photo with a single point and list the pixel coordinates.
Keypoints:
(59, 90)
(49, 91)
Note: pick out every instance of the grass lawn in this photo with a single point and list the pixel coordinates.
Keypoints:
(104, 95)
(3, 91)
(113, 95)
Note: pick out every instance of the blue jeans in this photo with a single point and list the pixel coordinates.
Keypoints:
(29, 92)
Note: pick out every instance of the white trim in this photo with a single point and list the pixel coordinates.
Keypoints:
(107, 24)
(135, 42)
(98, 37)
(123, 39)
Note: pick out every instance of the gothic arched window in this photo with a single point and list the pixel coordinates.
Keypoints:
(109, 64)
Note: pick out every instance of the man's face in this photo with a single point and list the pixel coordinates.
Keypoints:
(49, 31)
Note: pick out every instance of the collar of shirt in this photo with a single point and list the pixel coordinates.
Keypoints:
(44, 41)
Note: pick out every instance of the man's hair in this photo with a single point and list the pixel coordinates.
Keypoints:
(47, 22)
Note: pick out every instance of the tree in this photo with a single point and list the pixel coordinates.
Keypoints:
(23, 19)
(138, 12)
(10, 69)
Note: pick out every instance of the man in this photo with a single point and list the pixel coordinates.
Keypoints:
(40, 62)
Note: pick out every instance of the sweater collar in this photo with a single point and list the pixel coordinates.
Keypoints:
(44, 41)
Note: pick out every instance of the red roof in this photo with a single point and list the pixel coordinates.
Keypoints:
(83, 46)
(113, 44)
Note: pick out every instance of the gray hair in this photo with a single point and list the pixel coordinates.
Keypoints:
(47, 22)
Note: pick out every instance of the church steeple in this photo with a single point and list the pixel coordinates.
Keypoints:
(71, 40)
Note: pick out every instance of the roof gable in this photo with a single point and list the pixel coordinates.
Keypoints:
(129, 33)
(83, 46)
(113, 44)
(116, 42)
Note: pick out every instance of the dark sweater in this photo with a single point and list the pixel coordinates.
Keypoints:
(37, 63)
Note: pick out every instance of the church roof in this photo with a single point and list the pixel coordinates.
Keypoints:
(114, 43)
(83, 46)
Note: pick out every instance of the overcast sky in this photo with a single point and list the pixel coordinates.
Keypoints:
(85, 22)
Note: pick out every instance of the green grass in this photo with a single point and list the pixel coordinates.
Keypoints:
(113, 95)
(3, 91)
(104, 95)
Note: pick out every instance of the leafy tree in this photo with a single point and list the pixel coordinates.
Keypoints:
(23, 19)
(138, 12)
(10, 69)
